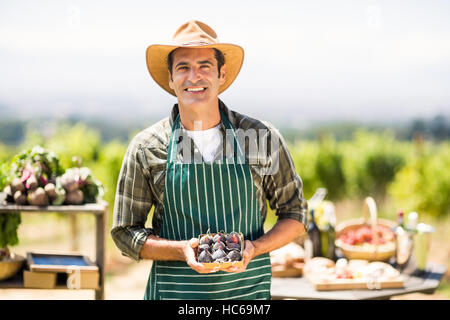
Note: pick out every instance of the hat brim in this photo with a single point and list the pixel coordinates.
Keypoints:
(156, 57)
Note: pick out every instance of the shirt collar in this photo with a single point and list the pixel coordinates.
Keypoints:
(175, 111)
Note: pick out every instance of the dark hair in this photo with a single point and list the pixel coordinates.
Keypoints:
(217, 53)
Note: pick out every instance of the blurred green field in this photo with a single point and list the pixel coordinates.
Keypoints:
(413, 175)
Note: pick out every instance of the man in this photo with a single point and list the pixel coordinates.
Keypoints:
(226, 187)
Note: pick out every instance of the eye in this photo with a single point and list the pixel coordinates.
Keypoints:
(204, 66)
(182, 68)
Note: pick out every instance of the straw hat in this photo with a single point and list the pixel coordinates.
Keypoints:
(193, 34)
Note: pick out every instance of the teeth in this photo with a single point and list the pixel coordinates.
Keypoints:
(195, 89)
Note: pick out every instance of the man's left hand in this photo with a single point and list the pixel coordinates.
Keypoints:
(249, 251)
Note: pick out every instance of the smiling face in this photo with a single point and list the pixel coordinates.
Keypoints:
(195, 77)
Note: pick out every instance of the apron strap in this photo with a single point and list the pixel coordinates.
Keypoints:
(174, 138)
(176, 130)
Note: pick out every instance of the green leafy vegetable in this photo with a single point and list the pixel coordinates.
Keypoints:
(9, 223)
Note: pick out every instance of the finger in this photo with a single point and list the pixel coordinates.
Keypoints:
(230, 269)
(193, 242)
(207, 270)
(247, 258)
(200, 268)
(214, 270)
(235, 269)
(248, 253)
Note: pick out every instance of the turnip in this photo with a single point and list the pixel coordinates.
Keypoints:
(68, 182)
(50, 189)
(9, 195)
(17, 185)
(74, 197)
(20, 198)
(38, 197)
(31, 183)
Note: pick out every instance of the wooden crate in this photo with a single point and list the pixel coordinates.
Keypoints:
(81, 272)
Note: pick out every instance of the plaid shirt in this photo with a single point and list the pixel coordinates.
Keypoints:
(141, 182)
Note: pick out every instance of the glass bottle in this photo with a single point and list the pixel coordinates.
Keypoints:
(314, 236)
(328, 233)
(412, 222)
(403, 240)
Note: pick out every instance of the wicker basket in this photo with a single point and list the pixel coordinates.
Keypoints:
(10, 266)
(374, 252)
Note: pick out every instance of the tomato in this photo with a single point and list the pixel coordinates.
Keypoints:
(365, 234)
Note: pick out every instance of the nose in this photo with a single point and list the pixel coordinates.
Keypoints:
(194, 75)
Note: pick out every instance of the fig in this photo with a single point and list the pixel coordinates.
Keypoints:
(205, 257)
(206, 240)
(218, 254)
(233, 237)
(234, 255)
(233, 246)
(218, 245)
(224, 259)
(203, 247)
(219, 238)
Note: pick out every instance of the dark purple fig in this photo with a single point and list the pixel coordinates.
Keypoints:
(203, 247)
(233, 246)
(234, 256)
(219, 237)
(219, 254)
(224, 259)
(205, 257)
(218, 245)
(206, 240)
(233, 237)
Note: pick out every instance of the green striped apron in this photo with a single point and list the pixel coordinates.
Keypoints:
(202, 197)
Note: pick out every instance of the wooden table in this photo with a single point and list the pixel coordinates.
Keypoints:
(99, 210)
(302, 289)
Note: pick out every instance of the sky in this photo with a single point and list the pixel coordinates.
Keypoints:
(305, 61)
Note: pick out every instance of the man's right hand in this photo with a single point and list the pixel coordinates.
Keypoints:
(189, 252)
(156, 248)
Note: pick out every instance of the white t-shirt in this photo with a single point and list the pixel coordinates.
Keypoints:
(207, 141)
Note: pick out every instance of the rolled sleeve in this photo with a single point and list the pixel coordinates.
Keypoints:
(130, 240)
(284, 187)
(132, 205)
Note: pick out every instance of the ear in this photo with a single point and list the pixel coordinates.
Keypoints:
(170, 80)
(223, 73)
